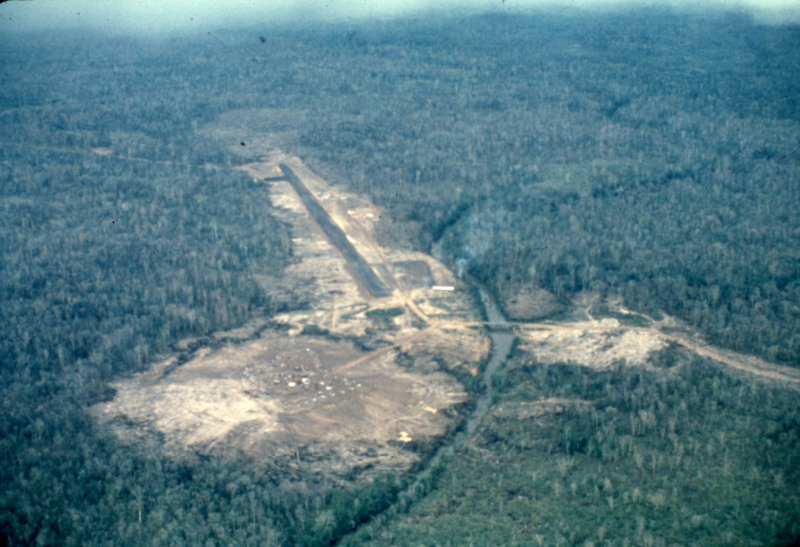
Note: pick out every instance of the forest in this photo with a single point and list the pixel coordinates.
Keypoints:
(650, 154)
(683, 454)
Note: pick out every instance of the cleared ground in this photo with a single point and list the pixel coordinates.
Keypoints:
(599, 342)
(353, 385)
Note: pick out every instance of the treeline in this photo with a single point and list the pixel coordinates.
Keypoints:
(105, 262)
(107, 259)
(69, 484)
(656, 161)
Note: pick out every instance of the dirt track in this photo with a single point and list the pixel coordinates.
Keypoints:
(763, 369)
(597, 326)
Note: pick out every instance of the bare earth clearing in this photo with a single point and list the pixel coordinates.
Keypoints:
(351, 385)
(309, 390)
(598, 343)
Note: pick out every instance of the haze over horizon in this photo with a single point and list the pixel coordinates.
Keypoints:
(145, 17)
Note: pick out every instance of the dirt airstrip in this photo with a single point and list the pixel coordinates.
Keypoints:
(353, 383)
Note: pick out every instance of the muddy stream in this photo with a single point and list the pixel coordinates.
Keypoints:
(502, 338)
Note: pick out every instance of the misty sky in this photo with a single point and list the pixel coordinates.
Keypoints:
(164, 16)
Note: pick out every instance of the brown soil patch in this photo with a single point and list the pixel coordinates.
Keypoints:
(596, 344)
(451, 348)
(414, 274)
(599, 343)
(311, 388)
(531, 303)
(276, 393)
(350, 384)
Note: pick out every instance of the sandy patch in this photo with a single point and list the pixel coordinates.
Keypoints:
(597, 345)
(276, 393)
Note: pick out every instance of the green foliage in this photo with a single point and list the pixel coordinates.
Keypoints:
(314, 330)
(625, 456)
(628, 319)
(653, 161)
(105, 260)
(386, 314)
(500, 380)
